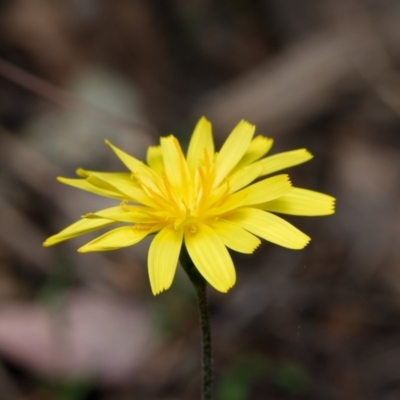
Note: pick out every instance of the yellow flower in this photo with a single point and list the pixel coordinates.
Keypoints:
(208, 200)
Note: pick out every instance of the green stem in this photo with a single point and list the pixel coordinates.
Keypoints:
(200, 286)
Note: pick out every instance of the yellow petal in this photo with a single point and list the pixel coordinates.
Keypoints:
(258, 148)
(235, 237)
(233, 150)
(76, 229)
(154, 159)
(85, 185)
(123, 236)
(106, 213)
(113, 181)
(304, 202)
(133, 214)
(210, 256)
(102, 181)
(107, 176)
(144, 174)
(132, 163)
(270, 188)
(201, 140)
(244, 176)
(232, 202)
(269, 227)
(285, 160)
(123, 184)
(265, 190)
(163, 258)
(109, 179)
(174, 162)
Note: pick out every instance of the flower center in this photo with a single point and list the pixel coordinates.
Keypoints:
(181, 197)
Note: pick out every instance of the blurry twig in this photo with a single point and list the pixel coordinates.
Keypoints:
(63, 98)
(8, 389)
(352, 18)
(307, 77)
(22, 236)
(284, 92)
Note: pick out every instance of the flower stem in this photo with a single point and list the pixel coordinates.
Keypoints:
(207, 370)
(200, 286)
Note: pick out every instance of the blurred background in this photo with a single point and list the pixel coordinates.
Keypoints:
(323, 323)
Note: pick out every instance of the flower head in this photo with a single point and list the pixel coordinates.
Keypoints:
(208, 200)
